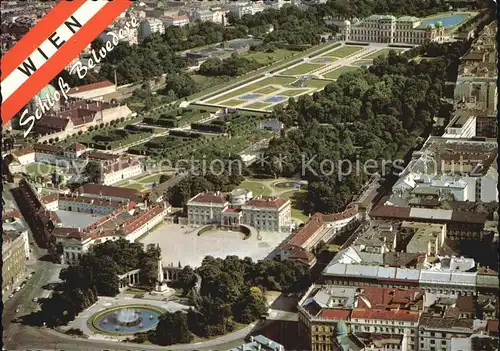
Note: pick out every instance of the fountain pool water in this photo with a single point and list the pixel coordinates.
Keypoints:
(127, 316)
(126, 320)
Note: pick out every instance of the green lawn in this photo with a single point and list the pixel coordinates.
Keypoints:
(41, 169)
(266, 58)
(345, 51)
(362, 62)
(232, 102)
(302, 69)
(297, 198)
(338, 71)
(293, 92)
(324, 59)
(266, 90)
(383, 52)
(135, 186)
(204, 82)
(253, 86)
(257, 105)
(255, 187)
(150, 179)
(317, 83)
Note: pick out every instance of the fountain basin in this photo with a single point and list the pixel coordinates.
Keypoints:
(124, 320)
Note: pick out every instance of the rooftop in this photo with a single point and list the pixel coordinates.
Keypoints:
(90, 87)
(266, 202)
(208, 198)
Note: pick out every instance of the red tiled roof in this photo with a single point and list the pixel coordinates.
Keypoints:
(335, 314)
(136, 222)
(70, 233)
(12, 214)
(176, 18)
(208, 198)
(350, 211)
(88, 87)
(52, 122)
(392, 298)
(232, 210)
(104, 190)
(24, 151)
(307, 231)
(48, 149)
(298, 253)
(76, 146)
(492, 326)
(266, 202)
(391, 212)
(401, 315)
(48, 199)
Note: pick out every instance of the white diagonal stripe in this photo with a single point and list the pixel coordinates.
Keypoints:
(83, 14)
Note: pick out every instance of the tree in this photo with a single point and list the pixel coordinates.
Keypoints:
(187, 279)
(93, 172)
(148, 264)
(172, 329)
(251, 305)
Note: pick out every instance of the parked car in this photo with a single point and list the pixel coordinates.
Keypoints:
(11, 295)
(17, 289)
(35, 299)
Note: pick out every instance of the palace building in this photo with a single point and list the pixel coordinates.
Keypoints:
(265, 213)
(389, 29)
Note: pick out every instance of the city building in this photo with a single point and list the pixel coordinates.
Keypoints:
(259, 343)
(202, 15)
(462, 125)
(94, 91)
(111, 193)
(403, 254)
(478, 72)
(262, 212)
(13, 259)
(130, 36)
(320, 228)
(175, 21)
(114, 172)
(329, 310)
(126, 222)
(77, 115)
(454, 169)
(389, 29)
(447, 319)
(150, 26)
(475, 342)
(267, 213)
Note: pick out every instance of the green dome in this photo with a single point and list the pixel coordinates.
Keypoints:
(341, 328)
(49, 90)
(430, 26)
(439, 24)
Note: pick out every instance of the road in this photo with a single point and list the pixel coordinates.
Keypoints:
(30, 338)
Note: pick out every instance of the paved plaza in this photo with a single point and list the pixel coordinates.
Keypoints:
(182, 244)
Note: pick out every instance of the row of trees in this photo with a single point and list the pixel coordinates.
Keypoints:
(232, 290)
(96, 274)
(376, 114)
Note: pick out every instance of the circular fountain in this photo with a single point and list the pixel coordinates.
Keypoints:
(126, 319)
